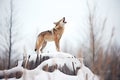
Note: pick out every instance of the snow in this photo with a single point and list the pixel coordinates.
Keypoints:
(7, 72)
(57, 54)
(60, 62)
(86, 72)
(38, 74)
(59, 58)
(51, 55)
(56, 75)
(42, 75)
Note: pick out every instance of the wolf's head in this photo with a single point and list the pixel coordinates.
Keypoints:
(61, 22)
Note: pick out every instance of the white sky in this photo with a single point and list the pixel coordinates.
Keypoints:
(34, 16)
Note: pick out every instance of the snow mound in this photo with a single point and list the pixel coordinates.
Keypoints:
(66, 65)
(33, 60)
(57, 66)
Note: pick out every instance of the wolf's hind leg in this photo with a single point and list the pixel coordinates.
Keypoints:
(39, 42)
(43, 46)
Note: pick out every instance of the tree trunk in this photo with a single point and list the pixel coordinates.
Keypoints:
(10, 33)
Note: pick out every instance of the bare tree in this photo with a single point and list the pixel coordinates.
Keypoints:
(10, 32)
(13, 33)
(94, 42)
(91, 18)
(105, 61)
(6, 34)
(4, 37)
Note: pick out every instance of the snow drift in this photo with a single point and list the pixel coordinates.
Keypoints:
(50, 66)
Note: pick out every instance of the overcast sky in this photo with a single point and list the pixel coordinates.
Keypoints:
(34, 16)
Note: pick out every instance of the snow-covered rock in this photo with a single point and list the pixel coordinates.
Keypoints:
(58, 66)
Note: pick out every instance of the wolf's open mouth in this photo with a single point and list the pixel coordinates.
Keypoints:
(64, 20)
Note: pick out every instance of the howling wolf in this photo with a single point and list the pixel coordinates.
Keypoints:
(51, 35)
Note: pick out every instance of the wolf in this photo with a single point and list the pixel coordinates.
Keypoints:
(51, 35)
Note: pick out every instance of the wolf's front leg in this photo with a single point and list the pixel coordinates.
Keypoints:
(56, 43)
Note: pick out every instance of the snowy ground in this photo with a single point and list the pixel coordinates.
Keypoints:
(59, 59)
